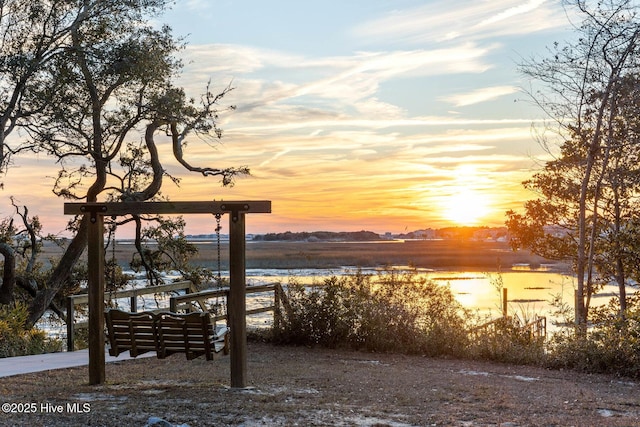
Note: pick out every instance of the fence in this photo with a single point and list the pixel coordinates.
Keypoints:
(190, 301)
(198, 301)
(535, 329)
(133, 294)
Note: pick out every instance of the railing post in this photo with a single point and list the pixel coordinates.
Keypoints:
(505, 301)
(277, 310)
(70, 324)
(133, 303)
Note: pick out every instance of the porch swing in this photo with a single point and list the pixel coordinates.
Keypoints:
(237, 210)
(194, 333)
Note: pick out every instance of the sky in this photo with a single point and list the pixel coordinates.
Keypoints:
(380, 115)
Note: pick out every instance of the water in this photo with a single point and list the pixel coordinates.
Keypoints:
(530, 292)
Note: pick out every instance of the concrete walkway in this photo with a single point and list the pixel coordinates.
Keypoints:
(43, 362)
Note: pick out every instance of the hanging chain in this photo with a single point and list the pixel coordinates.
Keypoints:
(218, 306)
(218, 229)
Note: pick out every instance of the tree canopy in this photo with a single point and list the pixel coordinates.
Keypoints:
(587, 205)
(92, 84)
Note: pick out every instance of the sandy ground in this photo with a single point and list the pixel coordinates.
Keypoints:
(291, 386)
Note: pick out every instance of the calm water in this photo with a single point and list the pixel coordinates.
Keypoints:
(529, 291)
(474, 290)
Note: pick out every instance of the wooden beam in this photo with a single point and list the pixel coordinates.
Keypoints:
(140, 208)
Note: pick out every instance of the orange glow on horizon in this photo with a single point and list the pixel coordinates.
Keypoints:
(467, 208)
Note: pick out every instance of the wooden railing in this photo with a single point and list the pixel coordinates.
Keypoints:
(198, 301)
(536, 328)
(133, 294)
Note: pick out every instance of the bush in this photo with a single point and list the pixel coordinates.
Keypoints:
(611, 345)
(388, 312)
(17, 341)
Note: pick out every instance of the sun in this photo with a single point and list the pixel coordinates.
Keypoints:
(466, 207)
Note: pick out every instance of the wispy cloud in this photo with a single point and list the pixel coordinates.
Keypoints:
(346, 78)
(198, 4)
(441, 21)
(479, 95)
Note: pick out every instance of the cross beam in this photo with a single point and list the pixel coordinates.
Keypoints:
(139, 208)
(237, 292)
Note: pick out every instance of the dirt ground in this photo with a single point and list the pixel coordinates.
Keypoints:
(297, 386)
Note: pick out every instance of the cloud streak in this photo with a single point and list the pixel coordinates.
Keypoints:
(442, 21)
(479, 95)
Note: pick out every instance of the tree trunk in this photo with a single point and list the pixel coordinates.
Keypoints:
(60, 275)
(8, 275)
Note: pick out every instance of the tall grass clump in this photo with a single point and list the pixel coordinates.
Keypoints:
(610, 345)
(505, 340)
(15, 340)
(391, 311)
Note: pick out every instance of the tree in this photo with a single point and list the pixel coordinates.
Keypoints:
(584, 83)
(112, 83)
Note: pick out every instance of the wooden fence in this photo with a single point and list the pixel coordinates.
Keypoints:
(198, 301)
(536, 328)
(133, 294)
(191, 300)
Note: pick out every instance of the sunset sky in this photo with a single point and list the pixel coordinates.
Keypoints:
(378, 115)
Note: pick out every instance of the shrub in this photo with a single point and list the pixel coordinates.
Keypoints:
(389, 312)
(611, 345)
(17, 341)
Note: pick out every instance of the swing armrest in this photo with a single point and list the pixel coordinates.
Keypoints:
(221, 339)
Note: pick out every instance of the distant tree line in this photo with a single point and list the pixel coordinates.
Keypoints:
(330, 236)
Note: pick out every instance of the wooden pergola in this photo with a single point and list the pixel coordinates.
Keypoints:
(96, 284)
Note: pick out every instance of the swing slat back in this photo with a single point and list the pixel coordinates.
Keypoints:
(134, 332)
(166, 333)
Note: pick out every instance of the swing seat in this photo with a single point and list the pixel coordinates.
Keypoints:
(166, 333)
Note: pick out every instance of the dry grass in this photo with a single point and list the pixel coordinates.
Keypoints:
(449, 254)
(313, 387)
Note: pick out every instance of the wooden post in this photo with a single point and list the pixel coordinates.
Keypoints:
(505, 300)
(95, 261)
(237, 303)
(277, 307)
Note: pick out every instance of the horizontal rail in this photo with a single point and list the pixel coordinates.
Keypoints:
(185, 302)
(84, 298)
